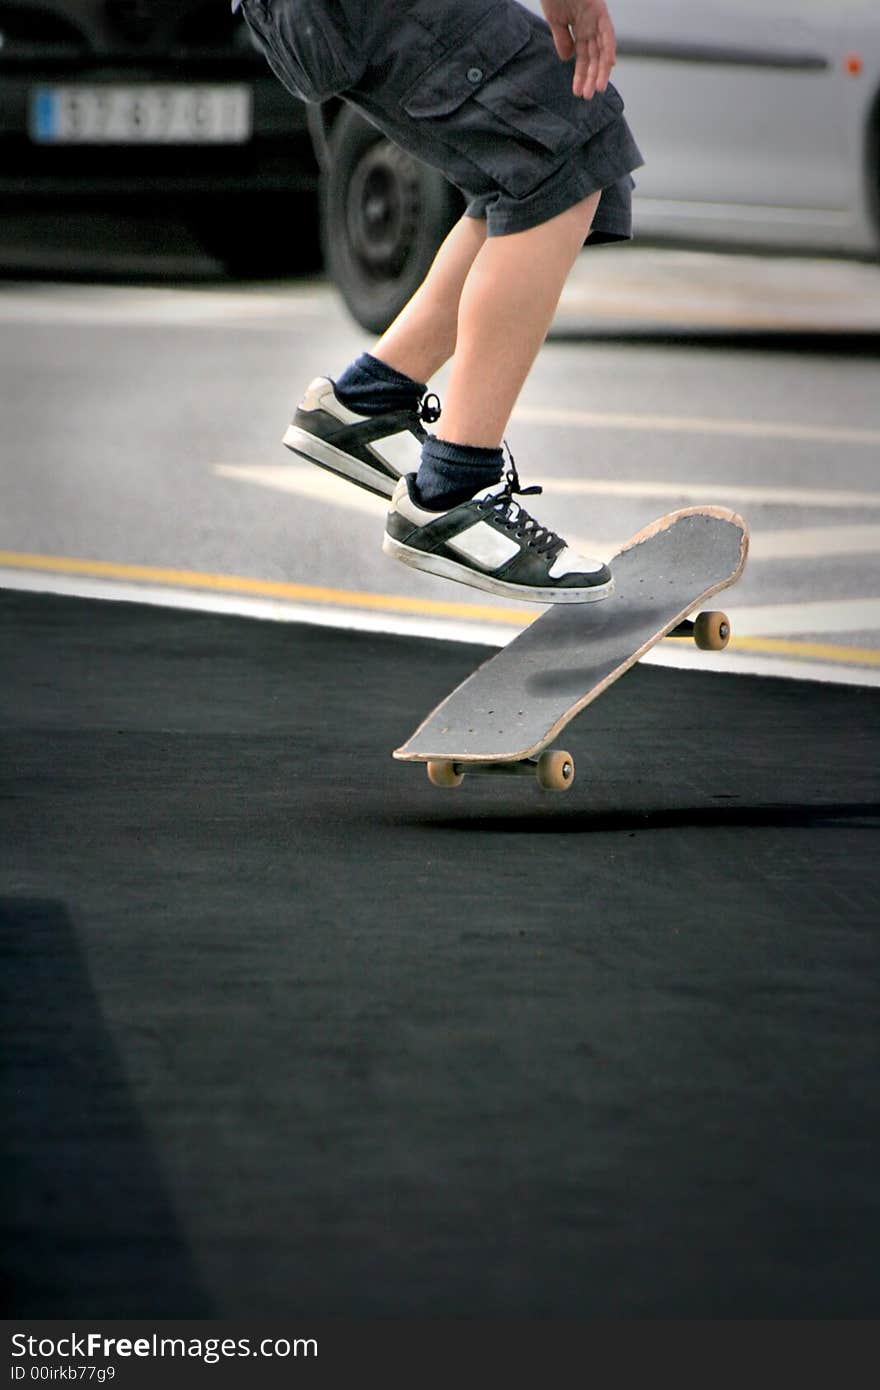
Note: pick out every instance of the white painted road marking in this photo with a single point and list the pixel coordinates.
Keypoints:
(814, 542)
(307, 480)
(796, 619)
(697, 424)
(796, 543)
(310, 481)
(764, 620)
(65, 304)
(690, 492)
(682, 655)
(318, 485)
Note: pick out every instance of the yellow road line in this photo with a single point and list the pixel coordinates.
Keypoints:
(264, 588)
(816, 651)
(393, 603)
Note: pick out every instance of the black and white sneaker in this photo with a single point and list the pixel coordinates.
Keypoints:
(371, 450)
(492, 543)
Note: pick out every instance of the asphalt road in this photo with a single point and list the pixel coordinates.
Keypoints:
(288, 1031)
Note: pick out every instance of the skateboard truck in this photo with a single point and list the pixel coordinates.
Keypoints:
(553, 769)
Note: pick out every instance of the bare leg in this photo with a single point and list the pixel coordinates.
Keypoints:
(422, 337)
(487, 302)
(506, 308)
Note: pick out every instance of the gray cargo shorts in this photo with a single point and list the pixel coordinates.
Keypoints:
(472, 87)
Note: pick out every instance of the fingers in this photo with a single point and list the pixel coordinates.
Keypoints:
(607, 43)
(595, 50)
(563, 41)
(592, 66)
(586, 68)
(583, 29)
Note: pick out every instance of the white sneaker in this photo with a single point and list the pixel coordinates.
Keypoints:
(492, 543)
(370, 450)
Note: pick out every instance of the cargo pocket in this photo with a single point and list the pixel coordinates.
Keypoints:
(309, 50)
(486, 107)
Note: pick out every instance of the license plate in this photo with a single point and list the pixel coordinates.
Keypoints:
(75, 114)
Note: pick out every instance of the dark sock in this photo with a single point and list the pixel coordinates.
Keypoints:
(369, 387)
(452, 473)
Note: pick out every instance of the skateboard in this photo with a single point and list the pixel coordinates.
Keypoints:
(506, 715)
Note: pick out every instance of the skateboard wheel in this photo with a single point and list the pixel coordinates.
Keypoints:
(712, 631)
(555, 770)
(443, 774)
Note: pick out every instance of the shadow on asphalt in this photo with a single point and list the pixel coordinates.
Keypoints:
(826, 344)
(77, 1164)
(555, 821)
(203, 244)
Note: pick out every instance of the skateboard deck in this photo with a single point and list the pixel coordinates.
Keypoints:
(504, 716)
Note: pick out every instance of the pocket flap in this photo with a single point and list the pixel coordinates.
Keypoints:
(461, 73)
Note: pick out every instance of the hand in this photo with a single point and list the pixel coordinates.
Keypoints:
(583, 28)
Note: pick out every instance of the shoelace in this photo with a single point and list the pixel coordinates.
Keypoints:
(516, 519)
(428, 411)
(429, 408)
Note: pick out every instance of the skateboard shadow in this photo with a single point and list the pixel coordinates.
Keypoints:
(571, 682)
(601, 637)
(560, 820)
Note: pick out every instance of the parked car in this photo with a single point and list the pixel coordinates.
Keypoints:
(160, 100)
(759, 121)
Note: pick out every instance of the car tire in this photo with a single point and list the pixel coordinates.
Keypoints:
(383, 216)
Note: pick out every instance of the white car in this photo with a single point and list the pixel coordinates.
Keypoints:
(759, 122)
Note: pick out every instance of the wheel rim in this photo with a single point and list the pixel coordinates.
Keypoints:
(382, 210)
